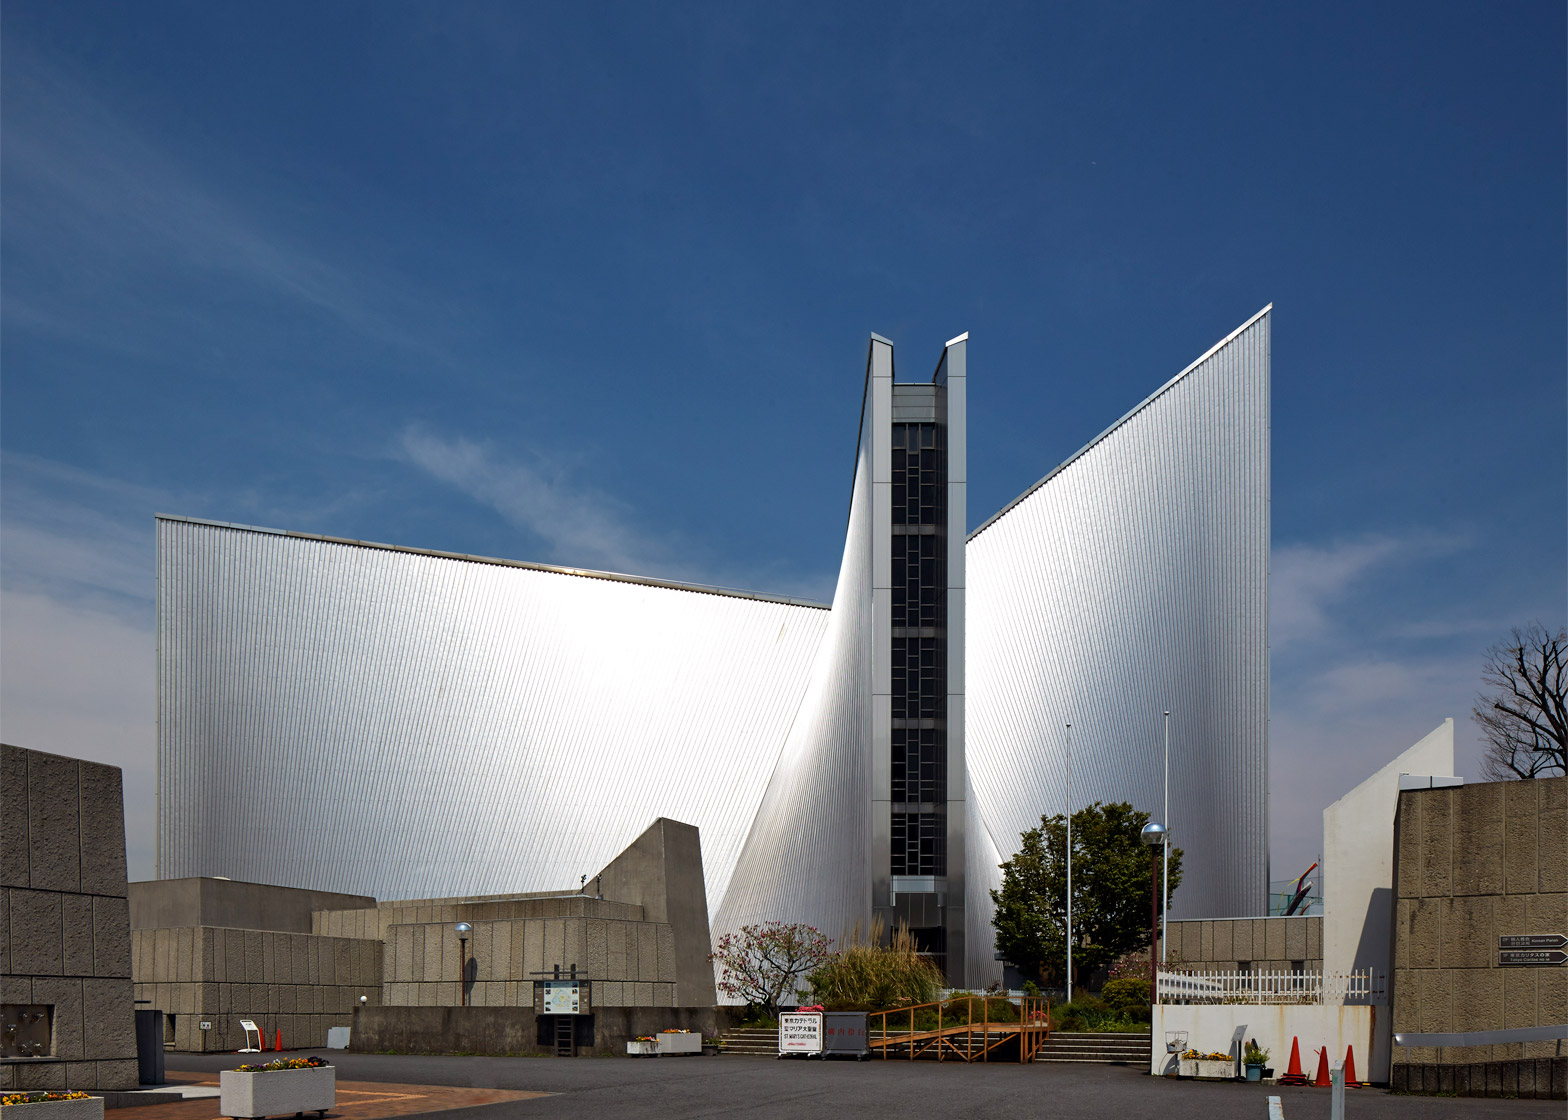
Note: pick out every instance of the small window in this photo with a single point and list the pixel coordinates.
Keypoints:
(168, 1030)
(1244, 967)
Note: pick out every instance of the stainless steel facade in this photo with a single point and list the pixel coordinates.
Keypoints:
(349, 716)
(336, 715)
(1133, 580)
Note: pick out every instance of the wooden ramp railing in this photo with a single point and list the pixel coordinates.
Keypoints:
(968, 1029)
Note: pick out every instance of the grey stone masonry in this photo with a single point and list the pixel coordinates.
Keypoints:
(294, 984)
(1261, 944)
(65, 938)
(1474, 863)
(629, 960)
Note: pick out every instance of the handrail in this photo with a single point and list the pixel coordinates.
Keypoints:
(1033, 1020)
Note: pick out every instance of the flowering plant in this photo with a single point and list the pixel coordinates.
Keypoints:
(675, 1030)
(311, 1062)
(760, 963)
(1216, 1056)
(645, 1038)
(37, 1098)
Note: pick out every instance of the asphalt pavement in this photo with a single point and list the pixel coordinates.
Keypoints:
(763, 1089)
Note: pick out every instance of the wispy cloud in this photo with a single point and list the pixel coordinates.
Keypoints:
(1309, 583)
(1360, 674)
(95, 210)
(578, 525)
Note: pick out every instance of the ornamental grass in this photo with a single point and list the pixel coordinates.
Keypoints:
(865, 975)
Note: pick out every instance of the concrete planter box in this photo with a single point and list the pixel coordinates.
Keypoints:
(637, 1049)
(1206, 1070)
(89, 1109)
(281, 1092)
(673, 1042)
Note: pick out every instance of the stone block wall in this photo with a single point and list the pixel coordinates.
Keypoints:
(1267, 944)
(64, 923)
(1472, 863)
(632, 963)
(297, 983)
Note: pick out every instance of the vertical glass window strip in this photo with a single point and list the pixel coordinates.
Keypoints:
(919, 678)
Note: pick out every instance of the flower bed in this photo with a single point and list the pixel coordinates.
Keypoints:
(50, 1106)
(643, 1046)
(278, 1088)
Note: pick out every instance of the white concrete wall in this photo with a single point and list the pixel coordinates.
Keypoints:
(1211, 1027)
(1358, 859)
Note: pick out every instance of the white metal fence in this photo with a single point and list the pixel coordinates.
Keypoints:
(1365, 986)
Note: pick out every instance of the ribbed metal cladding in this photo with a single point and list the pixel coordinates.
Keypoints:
(806, 858)
(1133, 580)
(362, 718)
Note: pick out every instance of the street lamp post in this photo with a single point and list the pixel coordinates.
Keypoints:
(463, 930)
(1153, 835)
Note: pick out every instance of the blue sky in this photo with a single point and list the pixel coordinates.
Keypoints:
(593, 286)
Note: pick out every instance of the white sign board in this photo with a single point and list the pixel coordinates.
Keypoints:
(562, 997)
(800, 1032)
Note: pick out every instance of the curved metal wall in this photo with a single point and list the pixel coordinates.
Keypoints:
(805, 859)
(361, 718)
(1131, 580)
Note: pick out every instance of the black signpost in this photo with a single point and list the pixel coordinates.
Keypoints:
(1532, 949)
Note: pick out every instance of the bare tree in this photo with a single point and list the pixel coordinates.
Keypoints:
(1523, 713)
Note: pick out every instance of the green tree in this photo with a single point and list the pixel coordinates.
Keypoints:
(1110, 893)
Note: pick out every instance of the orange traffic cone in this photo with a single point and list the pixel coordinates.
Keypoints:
(277, 1041)
(1350, 1068)
(1322, 1081)
(1294, 1075)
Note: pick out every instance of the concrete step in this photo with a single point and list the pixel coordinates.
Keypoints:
(1095, 1048)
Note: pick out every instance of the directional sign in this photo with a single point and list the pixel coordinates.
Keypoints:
(1531, 956)
(1532, 941)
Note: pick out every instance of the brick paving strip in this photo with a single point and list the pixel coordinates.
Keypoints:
(357, 1100)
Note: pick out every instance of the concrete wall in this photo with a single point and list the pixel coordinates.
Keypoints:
(630, 962)
(1472, 863)
(1270, 944)
(64, 924)
(661, 871)
(377, 921)
(1210, 1027)
(1358, 858)
(166, 903)
(298, 983)
(514, 1030)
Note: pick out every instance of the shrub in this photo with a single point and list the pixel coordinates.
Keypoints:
(1030, 988)
(1127, 997)
(867, 976)
(1086, 1013)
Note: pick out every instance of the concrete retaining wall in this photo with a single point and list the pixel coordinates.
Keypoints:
(1473, 863)
(515, 1030)
(1210, 1027)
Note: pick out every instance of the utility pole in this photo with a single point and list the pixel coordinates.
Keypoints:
(1165, 877)
(1069, 863)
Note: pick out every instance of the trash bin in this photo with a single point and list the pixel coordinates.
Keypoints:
(149, 1047)
(844, 1035)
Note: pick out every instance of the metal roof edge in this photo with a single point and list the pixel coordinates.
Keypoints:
(1137, 408)
(557, 569)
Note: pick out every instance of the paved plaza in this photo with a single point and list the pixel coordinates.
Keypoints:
(678, 1088)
